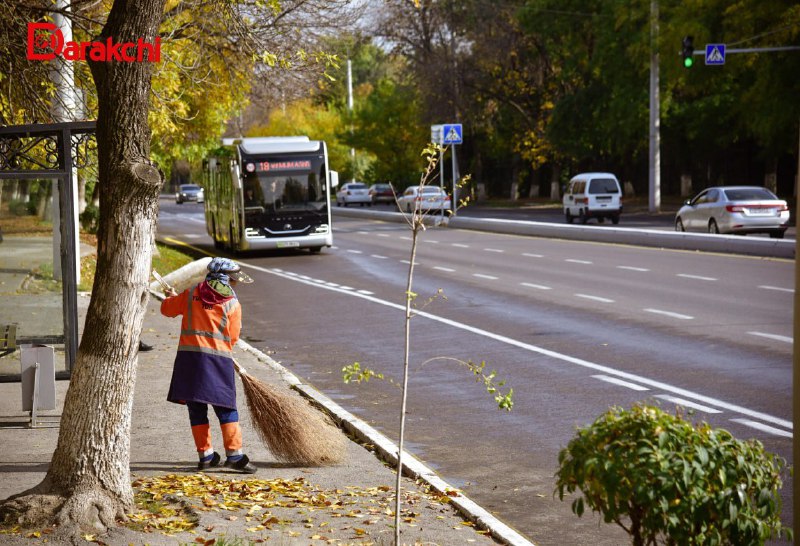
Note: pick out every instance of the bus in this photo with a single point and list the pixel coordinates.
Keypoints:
(269, 193)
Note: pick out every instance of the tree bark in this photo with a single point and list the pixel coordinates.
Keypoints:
(88, 484)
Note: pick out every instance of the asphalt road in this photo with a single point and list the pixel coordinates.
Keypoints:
(574, 328)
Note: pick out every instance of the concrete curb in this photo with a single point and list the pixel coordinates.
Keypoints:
(728, 244)
(385, 448)
(388, 451)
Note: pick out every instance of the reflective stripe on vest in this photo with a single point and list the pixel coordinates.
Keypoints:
(220, 334)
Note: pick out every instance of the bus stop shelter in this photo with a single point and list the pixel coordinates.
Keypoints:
(49, 152)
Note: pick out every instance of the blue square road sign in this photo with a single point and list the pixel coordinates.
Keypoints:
(715, 54)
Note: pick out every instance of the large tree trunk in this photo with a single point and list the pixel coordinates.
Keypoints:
(88, 483)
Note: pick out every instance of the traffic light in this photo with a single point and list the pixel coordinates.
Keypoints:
(688, 51)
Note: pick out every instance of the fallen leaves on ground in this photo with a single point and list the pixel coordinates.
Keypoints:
(173, 503)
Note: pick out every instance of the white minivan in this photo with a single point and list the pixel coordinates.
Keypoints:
(593, 195)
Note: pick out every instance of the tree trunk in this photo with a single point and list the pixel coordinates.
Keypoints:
(88, 483)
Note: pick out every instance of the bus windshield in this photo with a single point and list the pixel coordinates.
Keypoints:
(275, 192)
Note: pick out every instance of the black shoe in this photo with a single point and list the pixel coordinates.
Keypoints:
(143, 347)
(213, 463)
(243, 465)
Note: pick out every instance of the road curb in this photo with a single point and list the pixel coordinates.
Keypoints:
(388, 451)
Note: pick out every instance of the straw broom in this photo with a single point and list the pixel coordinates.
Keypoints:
(291, 428)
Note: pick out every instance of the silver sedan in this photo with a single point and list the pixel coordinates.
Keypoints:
(734, 209)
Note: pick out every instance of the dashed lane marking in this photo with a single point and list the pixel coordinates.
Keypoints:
(446, 269)
(536, 286)
(687, 403)
(776, 337)
(620, 382)
(487, 277)
(595, 298)
(763, 428)
(777, 288)
(696, 277)
(632, 268)
(670, 314)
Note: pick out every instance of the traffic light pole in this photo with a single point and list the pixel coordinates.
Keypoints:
(702, 52)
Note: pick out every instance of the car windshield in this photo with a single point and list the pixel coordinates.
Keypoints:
(356, 187)
(749, 194)
(603, 185)
(431, 189)
(189, 187)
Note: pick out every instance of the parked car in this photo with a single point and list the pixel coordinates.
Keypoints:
(382, 193)
(593, 195)
(424, 198)
(353, 193)
(189, 192)
(734, 209)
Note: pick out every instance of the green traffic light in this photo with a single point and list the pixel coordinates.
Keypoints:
(688, 62)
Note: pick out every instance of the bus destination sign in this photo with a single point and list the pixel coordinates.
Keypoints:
(267, 166)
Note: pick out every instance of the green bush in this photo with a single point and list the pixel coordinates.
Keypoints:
(22, 208)
(90, 219)
(667, 481)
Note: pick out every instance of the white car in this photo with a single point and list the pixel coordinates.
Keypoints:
(734, 209)
(353, 193)
(424, 198)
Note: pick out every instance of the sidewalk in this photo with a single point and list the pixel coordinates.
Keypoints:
(351, 503)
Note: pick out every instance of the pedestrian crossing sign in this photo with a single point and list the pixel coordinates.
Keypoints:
(452, 134)
(715, 54)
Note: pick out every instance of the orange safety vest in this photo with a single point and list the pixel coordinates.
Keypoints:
(205, 328)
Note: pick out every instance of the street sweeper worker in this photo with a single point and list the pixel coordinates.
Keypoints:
(203, 373)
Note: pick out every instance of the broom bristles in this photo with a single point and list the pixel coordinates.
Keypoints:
(294, 431)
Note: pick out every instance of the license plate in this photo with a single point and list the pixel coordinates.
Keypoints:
(761, 212)
(288, 244)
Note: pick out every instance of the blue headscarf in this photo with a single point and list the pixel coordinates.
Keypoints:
(218, 269)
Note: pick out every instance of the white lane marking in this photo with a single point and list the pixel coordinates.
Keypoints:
(383, 235)
(343, 287)
(459, 245)
(487, 277)
(573, 261)
(546, 352)
(537, 286)
(334, 247)
(778, 288)
(355, 251)
(379, 257)
(365, 292)
(408, 262)
(620, 382)
(776, 337)
(404, 238)
(362, 232)
(687, 403)
(529, 255)
(669, 314)
(696, 277)
(595, 298)
(493, 250)
(447, 269)
(433, 242)
(631, 268)
(193, 236)
(763, 428)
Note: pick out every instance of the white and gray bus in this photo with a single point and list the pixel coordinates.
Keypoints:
(269, 193)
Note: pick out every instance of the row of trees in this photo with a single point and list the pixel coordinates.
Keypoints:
(545, 88)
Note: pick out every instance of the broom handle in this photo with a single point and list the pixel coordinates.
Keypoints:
(238, 367)
(161, 280)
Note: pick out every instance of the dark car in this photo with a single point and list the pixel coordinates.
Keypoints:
(189, 192)
(381, 193)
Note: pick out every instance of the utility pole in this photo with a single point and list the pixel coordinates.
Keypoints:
(350, 110)
(63, 110)
(654, 160)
